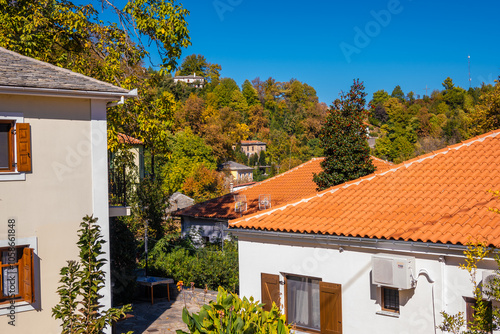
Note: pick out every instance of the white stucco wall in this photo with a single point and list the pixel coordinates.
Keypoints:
(351, 267)
(67, 182)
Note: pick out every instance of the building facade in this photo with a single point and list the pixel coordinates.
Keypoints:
(61, 118)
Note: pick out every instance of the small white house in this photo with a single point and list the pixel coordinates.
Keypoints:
(53, 172)
(191, 80)
(379, 254)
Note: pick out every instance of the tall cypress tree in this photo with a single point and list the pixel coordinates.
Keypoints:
(344, 140)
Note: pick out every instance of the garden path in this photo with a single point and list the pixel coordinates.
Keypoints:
(164, 317)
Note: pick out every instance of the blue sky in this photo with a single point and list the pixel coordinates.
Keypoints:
(326, 44)
(418, 44)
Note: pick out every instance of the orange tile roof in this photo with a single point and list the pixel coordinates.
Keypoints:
(440, 197)
(283, 188)
(124, 139)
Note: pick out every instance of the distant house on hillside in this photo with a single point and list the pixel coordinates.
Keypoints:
(250, 147)
(238, 172)
(212, 215)
(379, 254)
(191, 80)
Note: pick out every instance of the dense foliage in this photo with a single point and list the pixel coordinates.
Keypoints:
(230, 314)
(344, 140)
(184, 260)
(408, 126)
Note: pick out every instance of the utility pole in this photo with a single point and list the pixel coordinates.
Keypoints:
(470, 80)
(426, 89)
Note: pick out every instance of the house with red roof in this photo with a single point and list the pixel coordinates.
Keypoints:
(211, 217)
(379, 254)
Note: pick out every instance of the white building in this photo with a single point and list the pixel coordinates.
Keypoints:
(191, 80)
(53, 172)
(379, 254)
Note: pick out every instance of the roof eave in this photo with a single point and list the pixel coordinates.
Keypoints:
(363, 242)
(82, 94)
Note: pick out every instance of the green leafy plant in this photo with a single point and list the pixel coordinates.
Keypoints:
(483, 316)
(81, 282)
(230, 314)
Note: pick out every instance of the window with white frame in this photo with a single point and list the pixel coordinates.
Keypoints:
(15, 146)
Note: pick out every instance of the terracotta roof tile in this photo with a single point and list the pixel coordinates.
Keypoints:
(290, 186)
(440, 197)
(124, 139)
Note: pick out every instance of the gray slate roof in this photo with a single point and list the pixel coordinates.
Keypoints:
(20, 71)
(231, 165)
(179, 201)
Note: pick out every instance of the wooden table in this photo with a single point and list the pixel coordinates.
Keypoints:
(152, 281)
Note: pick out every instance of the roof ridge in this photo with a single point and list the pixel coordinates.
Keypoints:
(59, 68)
(285, 173)
(371, 176)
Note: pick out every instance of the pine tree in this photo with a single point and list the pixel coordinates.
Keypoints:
(344, 141)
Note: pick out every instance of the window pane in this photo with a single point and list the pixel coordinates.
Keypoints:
(303, 302)
(10, 277)
(391, 299)
(4, 145)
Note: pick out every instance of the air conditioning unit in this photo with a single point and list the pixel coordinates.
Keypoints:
(393, 271)
(264, 202)
(488, 279)
(240, 203)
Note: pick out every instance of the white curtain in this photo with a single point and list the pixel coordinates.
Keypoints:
(303, 301)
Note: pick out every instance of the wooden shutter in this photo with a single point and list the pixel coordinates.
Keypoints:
(26, 279)
(330, 299)
(270, 290)
(23, 147)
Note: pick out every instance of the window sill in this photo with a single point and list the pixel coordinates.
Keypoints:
(18, 307)
(12, 176)
(388, 314)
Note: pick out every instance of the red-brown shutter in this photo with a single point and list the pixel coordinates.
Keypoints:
(330, 299)
(27, 284)
(270, 290)
(23, 147)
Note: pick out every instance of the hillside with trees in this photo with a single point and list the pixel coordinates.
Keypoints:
(408, 126)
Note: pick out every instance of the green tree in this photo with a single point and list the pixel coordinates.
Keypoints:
(204, 184)
(194, 64)
(398, 93)
(250, 93)
(188, 152)
(344, 140)
(224, 92)
(262, 158)
(75, 37)
(486, 116)
(81, 283)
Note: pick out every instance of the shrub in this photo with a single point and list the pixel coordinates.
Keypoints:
(230, 314)
(177, 258)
